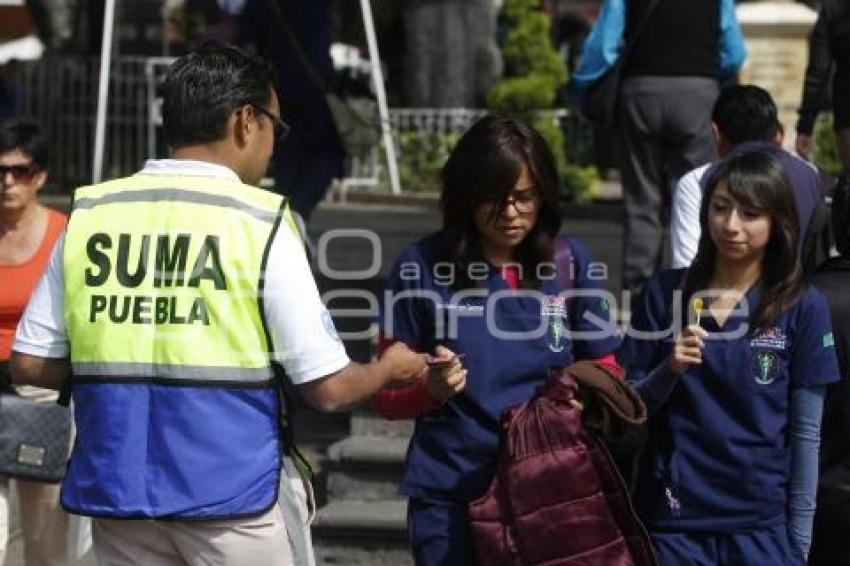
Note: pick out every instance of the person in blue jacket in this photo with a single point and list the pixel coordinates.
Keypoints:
(491, 288)
(681, 55)
(735, 399)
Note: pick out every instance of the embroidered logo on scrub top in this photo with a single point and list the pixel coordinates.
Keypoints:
(769, 338)
(765, 364)
(828, 340)
(555, 309)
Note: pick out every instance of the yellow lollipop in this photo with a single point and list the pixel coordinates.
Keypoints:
(698, 306)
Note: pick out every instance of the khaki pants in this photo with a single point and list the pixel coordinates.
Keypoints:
(280, 537)
(260, 541)
(298, 507)
(43, 523)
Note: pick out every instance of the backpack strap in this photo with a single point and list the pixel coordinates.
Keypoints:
(564, 262)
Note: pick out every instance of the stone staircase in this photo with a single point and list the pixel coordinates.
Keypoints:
(364, 521)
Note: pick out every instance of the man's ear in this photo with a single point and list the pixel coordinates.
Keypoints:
(243, 124)
(779, 136)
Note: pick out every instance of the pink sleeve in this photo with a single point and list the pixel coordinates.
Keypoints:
(610, 363)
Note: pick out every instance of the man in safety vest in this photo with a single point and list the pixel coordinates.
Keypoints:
(170, 296)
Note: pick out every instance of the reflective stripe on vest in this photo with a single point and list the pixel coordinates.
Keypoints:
(172, 375)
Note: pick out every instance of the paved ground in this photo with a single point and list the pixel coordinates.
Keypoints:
(395, 227)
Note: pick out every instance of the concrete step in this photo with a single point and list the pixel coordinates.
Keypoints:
(365, 468)
(356, 533)
(367, 422)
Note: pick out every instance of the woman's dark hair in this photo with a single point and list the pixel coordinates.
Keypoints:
(202, 88)
(757, 180)
(483, 168)
(25, 136)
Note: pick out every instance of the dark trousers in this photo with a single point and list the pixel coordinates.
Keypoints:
(769, 545)
(439, 533)
(665, 126)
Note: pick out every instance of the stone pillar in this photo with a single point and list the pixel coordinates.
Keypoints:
(452, 56)
(776, 33)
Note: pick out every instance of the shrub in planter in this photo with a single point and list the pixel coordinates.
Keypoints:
(422, 155)
(533, 75)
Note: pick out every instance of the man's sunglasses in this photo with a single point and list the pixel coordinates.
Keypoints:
(281, 128)
(19, 171)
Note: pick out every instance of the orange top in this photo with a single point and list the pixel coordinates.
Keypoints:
(18, 281)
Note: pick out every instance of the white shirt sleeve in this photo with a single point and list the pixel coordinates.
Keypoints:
(302, 331)
(41, 330)
(684, 218)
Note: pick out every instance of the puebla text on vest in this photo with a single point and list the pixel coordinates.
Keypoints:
(170, 256)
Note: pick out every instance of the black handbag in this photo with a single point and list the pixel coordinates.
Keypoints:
(600, 104)
(35, 438)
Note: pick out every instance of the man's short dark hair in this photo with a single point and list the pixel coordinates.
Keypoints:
(745, 113)
(202, 88)
(24, 135)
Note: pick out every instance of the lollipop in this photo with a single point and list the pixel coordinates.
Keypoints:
(698, 306)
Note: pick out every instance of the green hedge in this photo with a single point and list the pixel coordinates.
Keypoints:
(533, 74)
(422, 157)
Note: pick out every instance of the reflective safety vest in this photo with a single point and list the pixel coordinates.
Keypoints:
(175, 402)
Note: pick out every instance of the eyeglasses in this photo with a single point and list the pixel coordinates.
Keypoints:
(524, 202)
(281, 128)
(19, 171)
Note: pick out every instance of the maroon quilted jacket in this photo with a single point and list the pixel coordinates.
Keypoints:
(557, 498)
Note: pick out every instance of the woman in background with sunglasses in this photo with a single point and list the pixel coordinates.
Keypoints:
(28, 232)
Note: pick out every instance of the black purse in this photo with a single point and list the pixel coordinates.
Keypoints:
(600, 104)
(35, 437)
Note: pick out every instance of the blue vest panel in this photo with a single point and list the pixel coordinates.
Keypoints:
(163, 451)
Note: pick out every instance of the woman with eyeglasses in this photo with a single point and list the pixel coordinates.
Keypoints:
(732, 357)
(484, 297)
(28, 232)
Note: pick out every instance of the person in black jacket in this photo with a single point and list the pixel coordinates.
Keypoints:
(831, 545)
(311, 156)
(829, 50)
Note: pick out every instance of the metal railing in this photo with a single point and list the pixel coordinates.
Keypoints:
(61, 92)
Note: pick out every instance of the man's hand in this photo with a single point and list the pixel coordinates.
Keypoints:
(355, 383)
(405, 366)
(687, 350)
(446, 375)
(805, 146)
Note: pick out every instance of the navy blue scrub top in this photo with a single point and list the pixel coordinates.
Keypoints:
(719, 457)
(452, 454)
